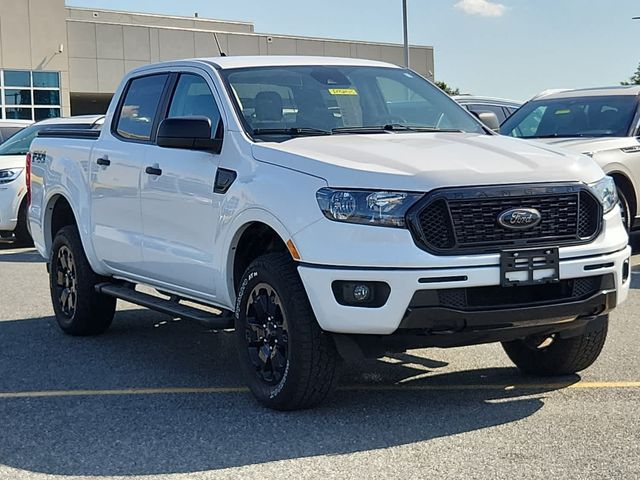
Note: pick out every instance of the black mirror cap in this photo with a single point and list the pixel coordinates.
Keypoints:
(189, 133)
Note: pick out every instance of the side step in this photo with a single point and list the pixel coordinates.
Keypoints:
(170, 307)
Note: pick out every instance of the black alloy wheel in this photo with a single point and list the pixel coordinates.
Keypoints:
(267, 334)
(66, 281)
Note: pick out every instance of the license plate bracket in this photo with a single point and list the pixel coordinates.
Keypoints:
(529, 267)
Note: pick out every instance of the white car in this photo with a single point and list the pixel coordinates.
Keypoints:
(603, 123)
(326, 206)
(13, 187)
(9, 128)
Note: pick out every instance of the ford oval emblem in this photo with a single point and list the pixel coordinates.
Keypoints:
(519, 218)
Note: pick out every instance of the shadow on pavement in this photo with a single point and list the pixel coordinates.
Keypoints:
(180, 433)
(11, 254)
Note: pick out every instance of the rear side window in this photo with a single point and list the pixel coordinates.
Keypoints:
(140, 107)
(193, 98)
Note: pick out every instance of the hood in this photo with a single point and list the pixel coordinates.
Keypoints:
(424, 161)
(588, 145)
(12, 161)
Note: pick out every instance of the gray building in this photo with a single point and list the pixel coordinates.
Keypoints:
(58, 60)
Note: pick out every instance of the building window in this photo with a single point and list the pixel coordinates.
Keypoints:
(27, 95)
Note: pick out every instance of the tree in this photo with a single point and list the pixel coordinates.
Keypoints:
(635, 80)
(447, 89)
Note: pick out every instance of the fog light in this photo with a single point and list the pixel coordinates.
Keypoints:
(361, 293)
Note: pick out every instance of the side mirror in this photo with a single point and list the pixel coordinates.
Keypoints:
(189, 133)
(490, 119)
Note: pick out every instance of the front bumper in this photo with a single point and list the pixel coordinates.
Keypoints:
(11, 195)
(396, 313)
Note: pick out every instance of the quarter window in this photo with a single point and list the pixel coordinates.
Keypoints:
(140, 107)
(193, 98)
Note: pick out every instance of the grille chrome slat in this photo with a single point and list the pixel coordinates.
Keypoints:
(465, 220)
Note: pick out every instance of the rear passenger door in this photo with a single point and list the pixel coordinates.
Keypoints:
(179, 212)
(116, 163)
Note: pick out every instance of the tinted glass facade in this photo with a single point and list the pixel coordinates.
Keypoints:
(28, 95)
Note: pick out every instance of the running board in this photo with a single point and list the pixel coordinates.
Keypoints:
(170, 307)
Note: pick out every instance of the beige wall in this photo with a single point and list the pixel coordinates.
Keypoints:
(100, 53)
(132, 18)
(31, 32)
(99, 46)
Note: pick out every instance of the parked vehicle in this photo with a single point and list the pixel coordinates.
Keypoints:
(13, 187)
(8, 128)
(481, 106)
(603, 123)
(335, 206)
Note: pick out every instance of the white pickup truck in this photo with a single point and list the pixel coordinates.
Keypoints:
(336, 207)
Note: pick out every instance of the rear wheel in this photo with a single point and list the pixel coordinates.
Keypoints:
(79, 309)
(288, 362)
(552, 355)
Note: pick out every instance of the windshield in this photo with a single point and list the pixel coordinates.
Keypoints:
(20, 143)
(606, 116)
(299, 100)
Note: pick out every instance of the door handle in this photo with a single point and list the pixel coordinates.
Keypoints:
(105, 162)
(153, 171)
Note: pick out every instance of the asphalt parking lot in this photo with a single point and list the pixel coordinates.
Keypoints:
(160, 398)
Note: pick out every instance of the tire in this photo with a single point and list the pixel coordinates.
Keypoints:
(79, 309)
(564, 356)
(300, 360)
(21, 234)
(625, 210)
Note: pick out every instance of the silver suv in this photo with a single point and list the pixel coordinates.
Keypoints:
(603, 123)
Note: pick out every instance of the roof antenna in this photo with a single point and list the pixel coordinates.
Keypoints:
(222, 54)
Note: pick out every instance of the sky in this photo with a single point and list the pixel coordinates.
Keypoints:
(503, 48)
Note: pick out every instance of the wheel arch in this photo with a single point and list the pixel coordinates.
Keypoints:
(251, 240)
(626, 185)
(58, 214)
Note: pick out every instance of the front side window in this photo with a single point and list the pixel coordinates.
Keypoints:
(140, 107)
(601, 116)
(193, 98)
(328, 99)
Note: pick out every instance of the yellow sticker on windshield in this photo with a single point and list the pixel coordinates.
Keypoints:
(343, 91)
(563, 112)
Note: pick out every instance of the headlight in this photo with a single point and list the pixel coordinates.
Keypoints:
(606, 192)
(367, 207)
(10, 175)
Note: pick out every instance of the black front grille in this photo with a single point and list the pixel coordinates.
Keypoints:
(466, 220)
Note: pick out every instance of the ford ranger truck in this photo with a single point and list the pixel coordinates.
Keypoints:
(325, 207)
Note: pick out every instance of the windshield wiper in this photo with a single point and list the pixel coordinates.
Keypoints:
(293, 131)
(559, 135)
(392, 127)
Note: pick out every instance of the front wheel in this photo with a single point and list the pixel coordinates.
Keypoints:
(79, 309)
(288, 362)
(552, 355)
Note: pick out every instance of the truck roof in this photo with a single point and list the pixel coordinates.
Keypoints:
(224, 63)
